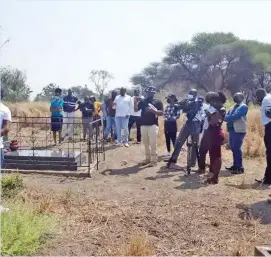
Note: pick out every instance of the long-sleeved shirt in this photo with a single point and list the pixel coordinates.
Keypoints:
(237, 112)
(266, 105)
(172, 113)
(69, 103)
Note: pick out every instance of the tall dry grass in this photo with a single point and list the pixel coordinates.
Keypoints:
(29, 109)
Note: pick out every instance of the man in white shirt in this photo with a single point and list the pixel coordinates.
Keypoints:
(5, 119)
(135, 116)
(123, 105)
(265, 100)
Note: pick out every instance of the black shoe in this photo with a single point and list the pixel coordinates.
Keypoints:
(262, 181)
(169, 161)
(232, 168)
(238, 171)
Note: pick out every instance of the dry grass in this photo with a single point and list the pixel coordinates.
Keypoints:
(30, 109)
(185, 226)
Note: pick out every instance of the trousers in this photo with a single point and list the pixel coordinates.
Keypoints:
(149, 138)
(87, 126)
(236, 142)
(267, 142)
(110, 126)
(122, 123)
(68, 124)
(132, 120)
(203, 149)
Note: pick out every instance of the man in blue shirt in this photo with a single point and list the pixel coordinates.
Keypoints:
(56, 114)
(237, 125)
(69, 109)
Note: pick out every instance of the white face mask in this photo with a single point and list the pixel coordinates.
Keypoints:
(190, 97)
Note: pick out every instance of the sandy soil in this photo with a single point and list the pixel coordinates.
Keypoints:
(179, 214)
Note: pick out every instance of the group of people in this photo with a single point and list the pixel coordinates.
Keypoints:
(63, 114)
(204, 120)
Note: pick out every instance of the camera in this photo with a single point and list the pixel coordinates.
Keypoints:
(190, 107)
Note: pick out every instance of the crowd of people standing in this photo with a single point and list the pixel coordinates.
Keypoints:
(121, 111)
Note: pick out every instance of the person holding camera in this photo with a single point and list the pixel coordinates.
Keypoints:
(191, 129)
(171, 114)
(265, 101)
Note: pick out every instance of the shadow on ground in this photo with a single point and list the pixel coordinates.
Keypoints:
(257, 211)
(123, 171)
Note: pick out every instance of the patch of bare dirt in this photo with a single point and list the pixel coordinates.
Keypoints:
(177, 214)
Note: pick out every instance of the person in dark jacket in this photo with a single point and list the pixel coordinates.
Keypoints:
(87, 109)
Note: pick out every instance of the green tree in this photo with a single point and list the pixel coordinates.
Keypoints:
(13, 81)
(47, 93)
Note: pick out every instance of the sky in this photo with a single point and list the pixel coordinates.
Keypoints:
(62, 41)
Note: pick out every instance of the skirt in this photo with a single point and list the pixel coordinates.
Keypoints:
(56, 123)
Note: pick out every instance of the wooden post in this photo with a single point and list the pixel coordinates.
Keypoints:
(262, 251)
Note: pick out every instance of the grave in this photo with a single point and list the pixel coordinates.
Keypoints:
(44, 160)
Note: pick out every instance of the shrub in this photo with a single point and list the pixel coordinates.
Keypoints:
(11, 185)
(23, 230)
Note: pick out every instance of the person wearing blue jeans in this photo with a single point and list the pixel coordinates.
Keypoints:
(237, 125)
(123, 106)
(110, 117)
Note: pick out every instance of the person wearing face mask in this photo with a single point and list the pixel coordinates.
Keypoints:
(171, 114)
(56, 114)
(150, 108)
(236, 119)
(191, 130)
(264, 99)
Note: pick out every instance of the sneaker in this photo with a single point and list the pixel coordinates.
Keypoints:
(166, 154)
(238, 171)
(232, 168)
(126, 145)
(145, 162)
(263, 181)
(153, 164)
(201, 171)
(119, 144)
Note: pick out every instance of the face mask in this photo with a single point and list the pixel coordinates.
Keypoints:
(57, 97)
(190, 97)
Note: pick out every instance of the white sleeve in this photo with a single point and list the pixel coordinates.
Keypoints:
(7, 115)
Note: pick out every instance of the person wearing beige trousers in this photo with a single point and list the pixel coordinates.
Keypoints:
(151, 109)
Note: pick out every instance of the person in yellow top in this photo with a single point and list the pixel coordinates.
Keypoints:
(97, 106)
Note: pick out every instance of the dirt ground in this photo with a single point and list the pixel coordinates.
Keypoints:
(178, 214)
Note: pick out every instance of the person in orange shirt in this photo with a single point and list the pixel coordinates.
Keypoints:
(97, 109)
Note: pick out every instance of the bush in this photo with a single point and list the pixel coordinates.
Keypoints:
(23, 230)
(11, 185)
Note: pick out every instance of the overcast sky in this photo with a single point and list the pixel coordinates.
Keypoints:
(61, 41)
